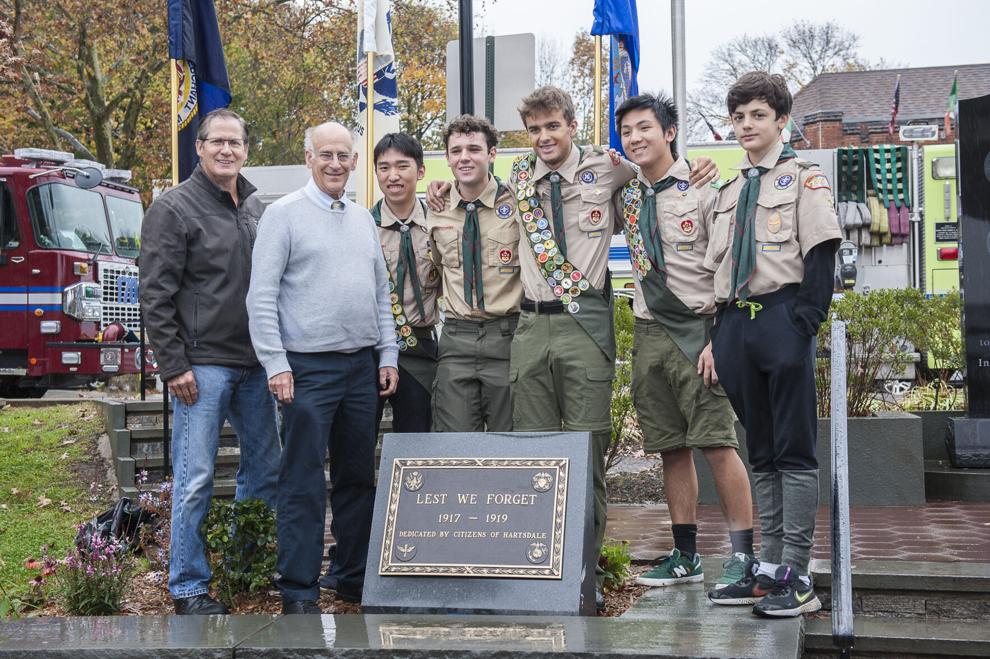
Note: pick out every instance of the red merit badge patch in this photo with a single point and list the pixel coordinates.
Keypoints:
(596, 216)
(687, 226)
(817, 182)
(505, 255)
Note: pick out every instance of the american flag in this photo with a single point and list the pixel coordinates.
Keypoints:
(715, 133)
(895, 106)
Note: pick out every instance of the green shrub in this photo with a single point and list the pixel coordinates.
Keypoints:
(624, 429)
(615, 561)
(241, 546)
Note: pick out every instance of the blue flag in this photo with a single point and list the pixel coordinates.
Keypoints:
(194, 44)
(617, 18)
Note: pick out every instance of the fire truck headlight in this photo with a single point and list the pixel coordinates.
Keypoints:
(51, 326)
(72, 358)
(83, 301)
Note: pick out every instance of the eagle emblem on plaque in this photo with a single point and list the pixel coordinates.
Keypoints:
(413, 481)
(542, 481)
(405, 552)
(537, 553)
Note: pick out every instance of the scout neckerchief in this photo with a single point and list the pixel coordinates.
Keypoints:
(407, 258)
(404, 335)
(744, 237)
(471, 247)
(686, 328)
(593, 312)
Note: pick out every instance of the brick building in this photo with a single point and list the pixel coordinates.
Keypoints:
(852, 108)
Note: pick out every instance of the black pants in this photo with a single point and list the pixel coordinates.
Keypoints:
(767, 367)
(334, 407)
(411, 405)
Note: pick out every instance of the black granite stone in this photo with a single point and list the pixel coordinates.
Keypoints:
(483, 523)
(969, 439)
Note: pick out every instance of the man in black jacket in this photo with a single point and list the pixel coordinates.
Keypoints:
(196, 244)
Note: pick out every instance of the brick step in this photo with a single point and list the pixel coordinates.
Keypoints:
(898, 637)
(943, 482)
(913, 589)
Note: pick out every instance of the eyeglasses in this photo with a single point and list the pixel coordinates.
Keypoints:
(218, 143)
(344, 157)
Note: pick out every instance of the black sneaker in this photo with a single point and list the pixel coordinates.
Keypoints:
(749, 589)
(790, 597)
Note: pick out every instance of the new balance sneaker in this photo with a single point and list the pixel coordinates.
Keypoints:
(790, 597)
(750, 588)
(673, 569)
(733, 570)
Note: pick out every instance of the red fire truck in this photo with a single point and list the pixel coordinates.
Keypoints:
(70, 232)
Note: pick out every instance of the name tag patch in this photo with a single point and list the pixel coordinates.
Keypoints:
(770, 247)
(684, 247)
(595, 234)
(503, 270)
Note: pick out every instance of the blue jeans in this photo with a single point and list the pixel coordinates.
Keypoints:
(241, 396)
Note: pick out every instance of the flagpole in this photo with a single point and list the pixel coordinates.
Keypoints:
(369, 136)
(174, 122)
(596, 136)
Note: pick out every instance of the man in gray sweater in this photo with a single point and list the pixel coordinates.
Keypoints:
(319, 310)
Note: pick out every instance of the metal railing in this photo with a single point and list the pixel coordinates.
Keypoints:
(842, 605)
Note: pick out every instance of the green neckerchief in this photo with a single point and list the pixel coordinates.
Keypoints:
(407, 259)
(557, 210)
(650, 226)
(744, 238)
(471, 243)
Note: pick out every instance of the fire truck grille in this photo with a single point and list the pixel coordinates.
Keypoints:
(120, 294)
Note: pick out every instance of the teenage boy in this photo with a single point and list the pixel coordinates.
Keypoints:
(773, 254)
(414, 279)
(475, 241)
(678, 400)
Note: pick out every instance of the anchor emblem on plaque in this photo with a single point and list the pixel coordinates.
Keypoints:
(414, 481)
(537, 553)
(405, 552)
(542, 481)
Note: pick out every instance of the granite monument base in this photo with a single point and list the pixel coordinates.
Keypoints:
(483, 523)
(968, 442)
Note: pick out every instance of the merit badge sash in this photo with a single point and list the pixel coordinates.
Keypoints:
(583, 301)
(686, 328)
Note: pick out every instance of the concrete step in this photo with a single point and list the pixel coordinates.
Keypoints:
(912, 589)
(227, 487)
(943, 482)
(226, 455)
(895, 637)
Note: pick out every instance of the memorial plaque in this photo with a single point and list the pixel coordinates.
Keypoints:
(475, 517)
(483, 523)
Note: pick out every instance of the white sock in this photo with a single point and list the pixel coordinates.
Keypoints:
(805, 579)
(767, 569)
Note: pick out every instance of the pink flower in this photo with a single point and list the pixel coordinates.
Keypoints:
(31, 564)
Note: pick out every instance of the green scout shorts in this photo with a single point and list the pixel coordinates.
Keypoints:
(675, 409)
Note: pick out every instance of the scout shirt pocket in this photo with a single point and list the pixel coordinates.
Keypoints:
(449, 246)
(594, 217)
(775, 218)
(503, 247)
(680, 225)
(721, 233)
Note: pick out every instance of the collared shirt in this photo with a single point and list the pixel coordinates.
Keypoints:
(499, 248)
(429, 275)
(795, 211)
(588, 180)
(685, 215)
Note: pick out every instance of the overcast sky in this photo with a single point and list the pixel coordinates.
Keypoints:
(917, 33)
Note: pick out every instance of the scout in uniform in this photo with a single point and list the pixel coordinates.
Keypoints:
(475, 241)
(414, 279)
(773, 254)
(678, 401)
(563, 354)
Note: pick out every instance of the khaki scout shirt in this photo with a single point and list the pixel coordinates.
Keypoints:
(499, 253)
(795, 211)
(588, 181)
(685, 215)
(429, 275)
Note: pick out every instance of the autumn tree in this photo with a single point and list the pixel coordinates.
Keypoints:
(581, 86)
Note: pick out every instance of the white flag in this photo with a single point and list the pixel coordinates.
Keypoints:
(375, 36)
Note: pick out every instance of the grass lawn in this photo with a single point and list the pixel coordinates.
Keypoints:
(48, 460)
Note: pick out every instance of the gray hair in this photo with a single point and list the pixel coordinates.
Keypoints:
(308, 135)
(220, 113)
